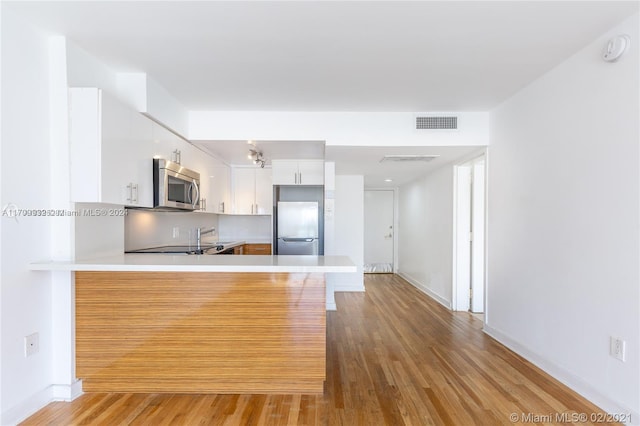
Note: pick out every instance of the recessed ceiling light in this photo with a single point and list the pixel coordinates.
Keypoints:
(388, 180)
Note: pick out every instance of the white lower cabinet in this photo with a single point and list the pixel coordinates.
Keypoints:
(252, 191)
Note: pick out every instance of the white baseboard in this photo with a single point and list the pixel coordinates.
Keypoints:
(31, 405)
(332, 306)
(67, 392)
(562, 375)
(441, 300)
(356, 288)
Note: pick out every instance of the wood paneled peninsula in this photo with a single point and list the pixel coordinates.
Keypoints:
(201, 324)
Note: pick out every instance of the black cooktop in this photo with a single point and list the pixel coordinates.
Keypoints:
(177, 249)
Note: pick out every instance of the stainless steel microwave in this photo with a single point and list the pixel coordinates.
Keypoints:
(174, 186)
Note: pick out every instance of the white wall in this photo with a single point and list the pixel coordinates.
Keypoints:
(348, 228)
(336, 128)
(65, 385)
(135, 89)
(425, 233)
(26, 296)
(84, 70)
(166, 109)
(563, 241)
(147, 96)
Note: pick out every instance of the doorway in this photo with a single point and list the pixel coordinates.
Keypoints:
(469, 236)
(378, 231)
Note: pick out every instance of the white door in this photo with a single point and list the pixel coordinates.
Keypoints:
(378, 231)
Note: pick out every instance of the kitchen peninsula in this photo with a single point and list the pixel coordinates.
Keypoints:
(202, 324)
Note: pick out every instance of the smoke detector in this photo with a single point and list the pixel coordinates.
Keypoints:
(616, 47)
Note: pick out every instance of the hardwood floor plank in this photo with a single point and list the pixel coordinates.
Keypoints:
(394, 357)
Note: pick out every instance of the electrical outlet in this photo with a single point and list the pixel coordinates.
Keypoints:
(31, 344)
(176, 232)
(617, 348)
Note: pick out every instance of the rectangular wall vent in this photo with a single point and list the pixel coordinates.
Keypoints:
(407, 158)
(436, 123)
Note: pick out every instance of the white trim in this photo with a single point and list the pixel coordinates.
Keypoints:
(67, 392)
(347, 288)
(331, 306)
(36, 402)
(441, 300)
(468, 161)
(562, 375)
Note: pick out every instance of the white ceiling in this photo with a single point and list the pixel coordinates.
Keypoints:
(366, 161)
(332, 55)
(236, 152)
(354, 160)
(414, 56)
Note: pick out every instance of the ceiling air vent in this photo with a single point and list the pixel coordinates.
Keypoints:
(438, 123)
(408, 158)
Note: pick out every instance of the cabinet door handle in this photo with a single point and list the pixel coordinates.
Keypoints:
(130, 192)
(134, 192)
(300, 180)
(196, 199)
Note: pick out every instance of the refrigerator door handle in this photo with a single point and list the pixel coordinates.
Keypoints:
(296, 240)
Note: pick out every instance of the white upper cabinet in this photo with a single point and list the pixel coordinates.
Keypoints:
(166, 145)
(110, 147)
(298, 172)
(219, 198)
(215, 181)
(252, 191)
(264, 191)
(214, 175)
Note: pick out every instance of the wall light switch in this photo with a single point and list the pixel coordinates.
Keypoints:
(176, 232)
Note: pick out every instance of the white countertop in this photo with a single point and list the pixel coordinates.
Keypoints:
(148, 262)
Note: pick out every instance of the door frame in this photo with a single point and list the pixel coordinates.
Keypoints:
(461, 281)
(395, 222)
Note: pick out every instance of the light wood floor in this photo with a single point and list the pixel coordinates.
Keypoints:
(394, 357)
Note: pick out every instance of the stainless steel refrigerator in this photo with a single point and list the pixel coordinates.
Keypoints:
(297, 227)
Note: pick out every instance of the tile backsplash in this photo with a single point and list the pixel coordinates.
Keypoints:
(254, 229)
(147, 228)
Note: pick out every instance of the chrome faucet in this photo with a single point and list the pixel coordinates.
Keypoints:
(200, 232)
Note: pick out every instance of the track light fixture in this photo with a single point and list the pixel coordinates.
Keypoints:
(256, 156)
